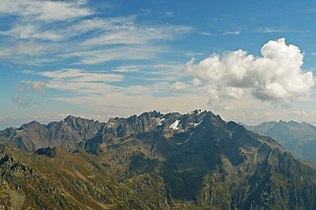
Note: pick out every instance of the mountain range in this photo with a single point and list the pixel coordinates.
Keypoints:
(151, 161)
(299, 138)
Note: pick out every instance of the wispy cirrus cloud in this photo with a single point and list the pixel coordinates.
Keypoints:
(26, 93)
(123, 53)
(128, 69)
(137, 34)
(269, 30)
(92, 86)
(78, 81)
(232, 33)
(80, 34)
(21, 48)
(47, 11)
(87, 82)
(77, 75)
(76, 38)
(35, 86)
(203, 33)
(125, 104)
(169, 14)
(32, 32)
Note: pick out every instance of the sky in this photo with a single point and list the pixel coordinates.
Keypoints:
(248, 61)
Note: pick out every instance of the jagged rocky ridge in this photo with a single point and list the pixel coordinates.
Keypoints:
(163, 161)
(75, 133)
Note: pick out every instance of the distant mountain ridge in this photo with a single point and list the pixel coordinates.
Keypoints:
(299, 138)
(73, 132)
(68, 133)
(151, 161)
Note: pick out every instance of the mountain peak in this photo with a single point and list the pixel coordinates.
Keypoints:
(30, 125)
(71, 118)
(197, 111)
(33, 122)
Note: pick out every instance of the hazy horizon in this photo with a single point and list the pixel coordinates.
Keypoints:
(20, 123)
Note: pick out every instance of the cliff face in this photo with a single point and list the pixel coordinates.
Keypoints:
(153, 161)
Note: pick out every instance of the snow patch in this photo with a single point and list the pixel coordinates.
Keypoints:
(196, 124)
(111, 124)
(201, 111)
(186, 141)
(160, 121)
(175, 125)
(20, 130)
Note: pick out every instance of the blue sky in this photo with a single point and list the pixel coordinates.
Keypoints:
(248, 61)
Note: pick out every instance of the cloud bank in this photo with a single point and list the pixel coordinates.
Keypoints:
(276, 76)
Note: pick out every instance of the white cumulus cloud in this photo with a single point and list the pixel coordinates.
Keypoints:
(276, 76)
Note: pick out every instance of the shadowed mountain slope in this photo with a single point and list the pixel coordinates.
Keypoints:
(155, 161)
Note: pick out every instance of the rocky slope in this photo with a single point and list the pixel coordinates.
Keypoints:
(66, 181)
(154, 161)
(299, 138)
